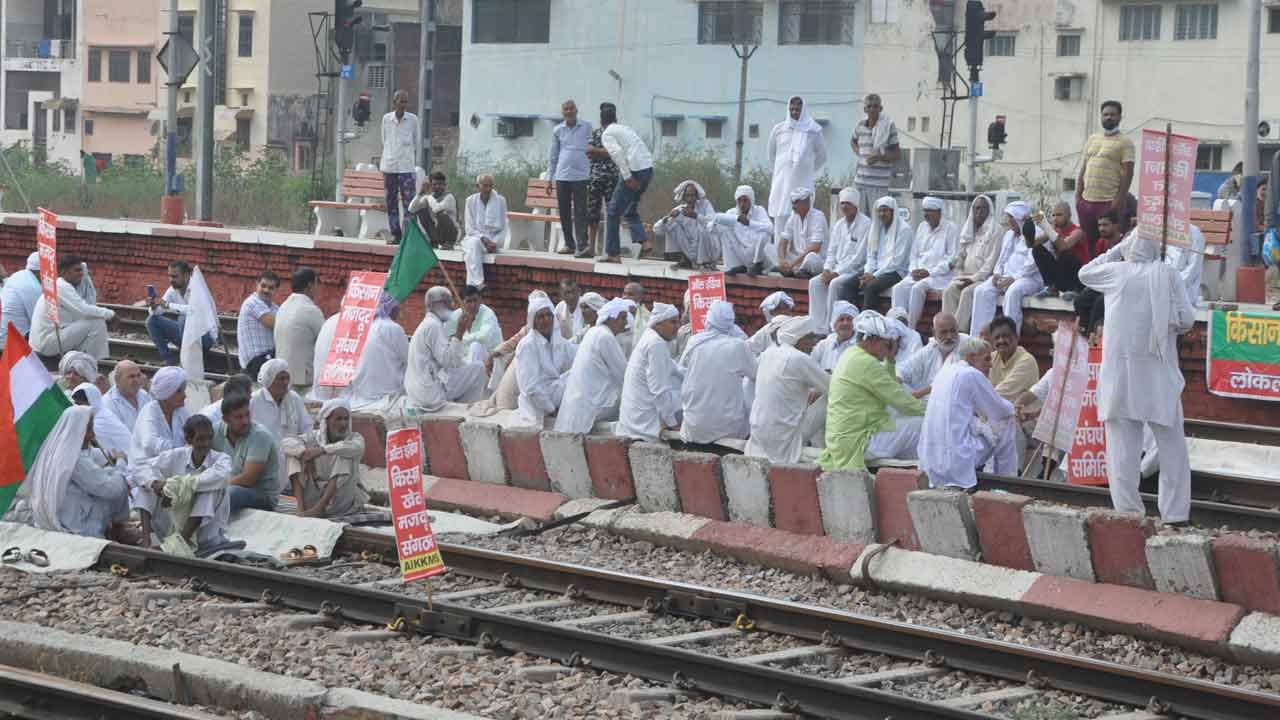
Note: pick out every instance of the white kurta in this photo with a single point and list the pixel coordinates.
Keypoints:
(323, 341)
(484, 220)
(96, 495)
(951, 444)
(932, 250)
(485, 330)
(541, 364)
(783, 382)
(380, 369)
(152, 435)
(1190, 265)
(842, 252)
(923, 366)
(125, 411)
(1014, 261)
(437, 371)
(18, 301)
(828, 351)
(694, 237)
(740, 243)
(789, 175)
(593, 388)
(82, 326)
(287, 418)
(297, 327)
(571, 324)
(650, 390)
(799, 233)
(212, 502)
(714, 404)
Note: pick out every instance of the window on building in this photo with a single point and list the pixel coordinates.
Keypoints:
(1068, 44)
(88, 127)
(511, 21)
(243, 127)
(1068, 88)
(1209, 157)
(924, 123)
(57, 121)
(144, 67)
(1196, 22)
(1002, 45)
(815, 22)
(722, 23)
(379, 52)
(883, 11)
(753, 131)
(1068, 184)
(303, 157)
(376, 77)
(118, 65)
(1273, 20)
(187, 27)
(1139, 22)
(911, 123)
(69, 120)
(513, 127)
(245, 38)
(669, 126)
(714, 129)
(95, 65)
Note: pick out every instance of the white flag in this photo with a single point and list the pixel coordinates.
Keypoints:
(202, 319)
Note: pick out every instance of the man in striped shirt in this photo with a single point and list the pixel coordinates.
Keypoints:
(875, 142)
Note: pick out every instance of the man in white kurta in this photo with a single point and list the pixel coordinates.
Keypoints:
(715, 362)
(1189, 264)
(797, 151)
(18, 298)
(160, 421)
(276, 407)
(788, 381)
(883, 259)
(438, 369)
(542, 359)
(975, 258)
(324, 339)
(1014, 275)
(1140, 383)
(81, 325)
(966, 423)
(380, 370)
(743, 231)
(487, 230)
(776, 308)
(919, 370)
(802, 243)
(593, 388)
(297, 326)
(930, 267)
(828, 350)
(689, 229)
(127, 398)
(838, 277)
(909, 340)
(211, 507)
(71, 487)
(651, 387)
(483, 334)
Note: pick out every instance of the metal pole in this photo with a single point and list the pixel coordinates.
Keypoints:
(1244, 222)
(204, 108)
(973, 130)
(745, 54)
(426, 76)
(171, 112)
(339, 125)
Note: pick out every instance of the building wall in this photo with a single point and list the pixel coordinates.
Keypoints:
(119, 110)
(119, 135)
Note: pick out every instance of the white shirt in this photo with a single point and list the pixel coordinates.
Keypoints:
(949, 446)
(800, 233)
(324, 340)
(828, 351)
(845, 243)
(401, 139)
(152, 435)
(626, 149)
(759, 227)
(92, 492)
(594, 384)
(175, 300)
(71, 309)
(1190, 265)
(934, 247)
(381, 367)
(125, 411)
(920, 369)
(1015, 258)
(788, 176)
(650, 390)
(432, 353)
(488, 219)
(298, 325)
(446, 204)
(284, 419)
(715, 406)
(783, 383)
(18, 301)
(570, 323)
(540, 365)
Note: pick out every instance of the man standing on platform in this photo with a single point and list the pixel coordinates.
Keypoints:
(567, 169)
(401, 147)
(1106, 172)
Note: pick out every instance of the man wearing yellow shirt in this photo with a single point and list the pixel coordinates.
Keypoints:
(1013, 369)
(1106, 172)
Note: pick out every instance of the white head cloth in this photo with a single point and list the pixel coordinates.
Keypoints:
(804, 128)
(841, 309)
(879, 234)
(849, 195)
(662, 312)
(537, 305)
(769, 306)
(745, 191)
(595, 301)
(1017, 210)
(870, 323)
(801, 193)
(437, 294)
(46, 483)
(932, 203)
(679, 193)
(1161, 279)
(612, 309)
(794, 330)
(33, 262)
(167, 381)
(332, 406)
(720, 319)
(82, 363)
(270, 370)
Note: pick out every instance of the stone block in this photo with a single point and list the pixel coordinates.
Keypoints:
(803, 554)
(1256, 639)
(1001, 535)
(610, 466)
(442, 439)
(669, 529)
(654, 474)
(1182, 564)
(893, 517)
(482, 444)
(374, 431)
(1119, 548)
(566, 461)
(1248, 573)
(1059, 539)
(698, 483)
(746, 487)
(794, 492)
(477, 498)
(848, 502)
(522, 454)
(963, 581)
(944, 523)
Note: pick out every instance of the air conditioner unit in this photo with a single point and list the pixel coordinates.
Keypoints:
(506, 129)
(1269, 129)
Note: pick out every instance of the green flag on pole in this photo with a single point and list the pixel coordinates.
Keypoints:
(413, 259)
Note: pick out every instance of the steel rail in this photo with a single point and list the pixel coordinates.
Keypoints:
(27, 694)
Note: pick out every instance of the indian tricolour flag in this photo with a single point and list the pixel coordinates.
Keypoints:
(30, 405)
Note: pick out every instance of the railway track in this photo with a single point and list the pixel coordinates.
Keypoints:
(696, 639)
(27, 694)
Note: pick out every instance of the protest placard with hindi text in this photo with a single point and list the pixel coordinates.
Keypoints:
(359, 305)
(704, 289)
(1243, 359)
(415, 543)
(1087, 461)
(47, 246)
(1152, 193)
(1061, 409)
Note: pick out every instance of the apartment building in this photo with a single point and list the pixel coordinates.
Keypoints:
(41, 75)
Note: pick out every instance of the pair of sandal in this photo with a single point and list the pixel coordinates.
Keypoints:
(34, 556)
(305, 555)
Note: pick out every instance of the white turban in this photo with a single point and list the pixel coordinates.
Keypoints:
(612, 309)
(438, 294)
(82, 363)
(33, 262)
(794, 330)
(270, 370)
(662, 312)
(841, 309)
(720, 317)
(679, 194)
(932, 203)
(167, 381)
(776, 299)
(745, 191)
(595, 301)
(537, 305)
(873, 324)
(1017, 210)
(897, 314)
(849, 195)
(801, 193)
(887, 202)
(333, 405)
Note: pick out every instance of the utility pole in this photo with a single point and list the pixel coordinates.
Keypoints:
(975, 92)
(209, 48)
(339, 126)
(976, 34)
(1244, 221)
(745, 55)
(171, 111)
(426, 76)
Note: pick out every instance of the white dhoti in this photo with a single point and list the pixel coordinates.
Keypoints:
(698, 244)
(900, 443)
(213, 508)
(766, 252)
(737, 254)
(823, 297)
(812, 263)
(473, 252)
(986, 295)
(466, 383)
(910, 295)
(998, 445)
(1124, 458)
(88, 336)
(959, 302)
(814, 424)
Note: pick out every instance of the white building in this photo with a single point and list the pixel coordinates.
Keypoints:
(40, 40)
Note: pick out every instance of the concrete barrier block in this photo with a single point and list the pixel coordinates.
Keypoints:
(1248, 571)
(893, 518)
(699, 484)
(771, 548)
(962, 581)
(746, 486)
(1182, 564)
(566, 461)
(1119, 543)
(848, 502)
(794, 491)
(610, 466)
(654, 474)
(522, 454)
(1059, 539)
(442, 438)
(1001, 535)
(374, 431)
(1256, 639)
(944, 523)
(482, 444)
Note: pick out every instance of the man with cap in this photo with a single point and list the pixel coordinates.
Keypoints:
(439, 370)
(18, 298)
(276, 407)
(776, 308)
(979, 247)
(863, 389)
(829, 350)
(541, 361)
(160, 421)
(651, 387)
(594, 384)
(883, 259)
(715, 362)
(81, 325)
(744, 231)
(930, 267)
(803, 240)
(76, 367)
(1014, 275)
(788, 381)
(838, 276)
(1140, 383)
(324, 465)
(688, 229)
(589, 307)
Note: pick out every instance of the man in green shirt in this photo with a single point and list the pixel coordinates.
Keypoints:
(863, 389)
(254, 456)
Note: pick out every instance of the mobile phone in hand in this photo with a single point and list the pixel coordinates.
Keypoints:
(151, 292)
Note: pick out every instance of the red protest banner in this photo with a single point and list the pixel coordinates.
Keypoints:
(47, 246)
(704, 289)
(358, 307)
(1061, 410)
(1086, 464)
(1153, 194)
(415, 543)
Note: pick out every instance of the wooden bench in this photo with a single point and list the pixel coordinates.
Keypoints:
(1216, 227)
(361, 213)
(531, 229)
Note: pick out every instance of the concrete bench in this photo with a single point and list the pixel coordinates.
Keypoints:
(539, 228)
(362, 213)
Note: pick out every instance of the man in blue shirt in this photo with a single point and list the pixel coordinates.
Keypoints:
(568, 169)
